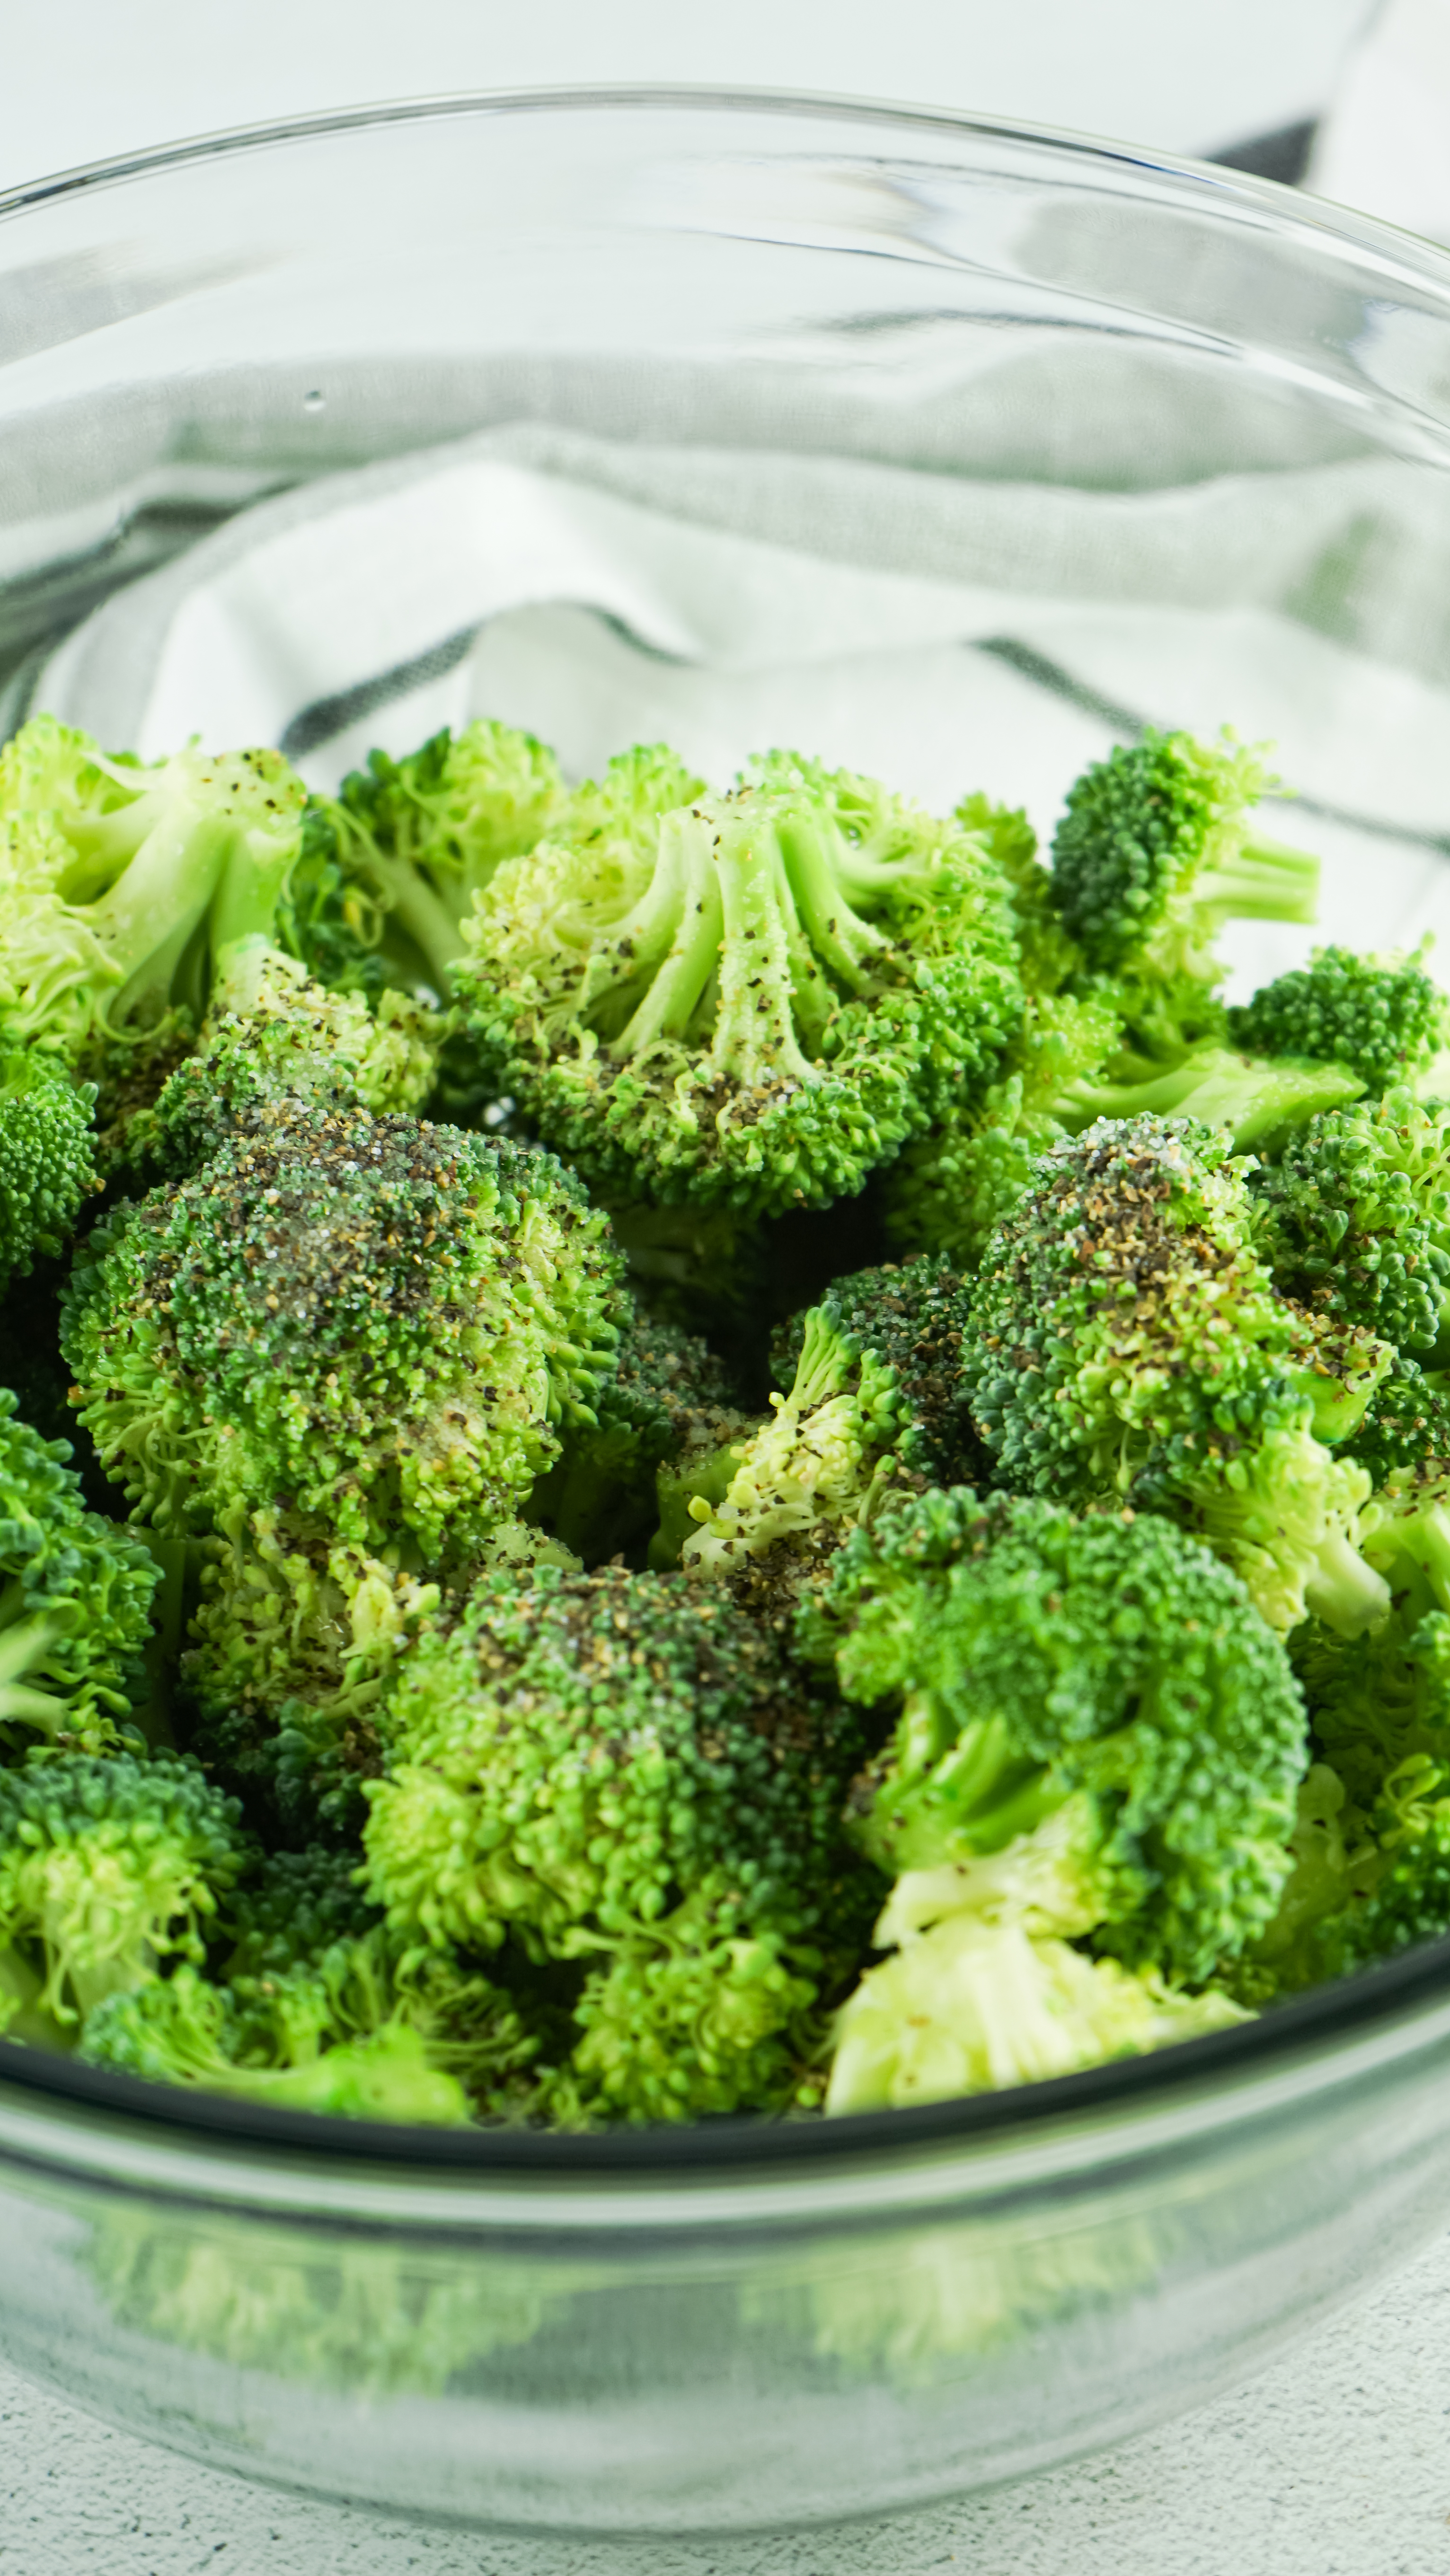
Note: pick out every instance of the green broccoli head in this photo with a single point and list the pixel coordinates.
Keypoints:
(1355, 1220)
(970, 2006)
(273, 1036)
(616, 1770)
(75, 1603)
(412, 842)
(666, 1390)
(109, 1867)
(1039, 1659)
(1155, 853)
(1126, 1342)
(374, 1325)
(874, 1394)
(1376, 1701)
(123, 888)
(1382, 1017)
(746, 1000)
(1406, 1423)
(47, 1167)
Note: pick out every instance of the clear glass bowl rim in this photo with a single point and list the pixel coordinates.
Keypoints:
(1311, 2026)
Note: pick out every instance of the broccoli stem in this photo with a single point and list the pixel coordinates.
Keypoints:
(674, 930)
(1343, 1591)
(1264, 880)
(755, 1039)
(1259, 1100)
(813, 851)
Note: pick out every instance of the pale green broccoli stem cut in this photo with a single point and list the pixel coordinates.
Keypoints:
(409, 899)
(1256, 1099)
(811, 1465)
(1345, 1592)
(1263, 880)
(673, 935)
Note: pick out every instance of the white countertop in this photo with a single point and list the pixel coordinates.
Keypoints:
(1334, 2463)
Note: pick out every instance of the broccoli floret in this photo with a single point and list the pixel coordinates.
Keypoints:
(1355, 1221)
(874, 1395)
(614, 1769)
(1406, 1423)
(414, 841)
(75, 1603)
(1153, 855)
(1126, 1343)
(109, 1866)
(1383, 1017)
(373, 1325)
(602, 1497)
(47, 1165)
(272, 1036)
(1376, 1700)
(949, 1190)
(1047, 955)
(1110, 1665)
(747, 1000)
(1405, 1533)
(970, 2006)
(122, 888)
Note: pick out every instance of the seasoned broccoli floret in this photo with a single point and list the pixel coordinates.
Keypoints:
(1125, 1342)
(413, 841)
(968, 2006)
(47, 1167)
(667, 1394)
(75, 1603)
(617, 1770)
(1106, 1673)
(1355, 1221)
(874, 1392)
(1153, 855)
(272, 1036)
(1383, 1017)
(372, 1325)
(122, 888)
(109, 1866)
(747, 1000)
(1406, 1423)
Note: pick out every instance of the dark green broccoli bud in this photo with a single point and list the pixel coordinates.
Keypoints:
(1406, 1423)
(949, 1190)
(47, 1167)
(746, 1000)
(1110, 1665)
(601, 1498)
(875, 1393)
(1383, 1017)
(1126, 1343)
(616, 1769)
(1376, 1700)
(75, 1603)
(415, 841)
(274, 1036)
(1355, 1221)
(1154, 854)
(374, 1326)
(123, 888)
(341, 2031)
(109, 1867)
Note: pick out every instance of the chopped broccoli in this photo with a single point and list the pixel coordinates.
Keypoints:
(969, 2006)
(616, 1770)
(1382, 1017)
(414, 841)
(1406, 1423)
(372, 1325)
(1109, 1664)
(602, 1496)
(109, 1866)
(75, 1603)
(1126, 1343)
(122, 888)
(1355, 1221)
(1153, 855)
(874, 1392)
(47, 1167)
(746, 1000)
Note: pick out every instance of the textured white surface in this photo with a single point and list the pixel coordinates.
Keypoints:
(1334, 2463)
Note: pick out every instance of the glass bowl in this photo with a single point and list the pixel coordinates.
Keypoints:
(962, 451)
